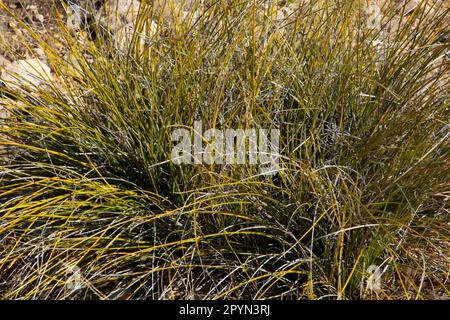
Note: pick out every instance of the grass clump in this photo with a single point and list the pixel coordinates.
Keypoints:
(86, 180)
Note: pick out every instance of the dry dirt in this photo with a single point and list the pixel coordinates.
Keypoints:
(40, 14)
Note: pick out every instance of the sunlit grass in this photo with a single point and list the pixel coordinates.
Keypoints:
(86, 177)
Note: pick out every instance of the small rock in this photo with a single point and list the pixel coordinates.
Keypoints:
(39, 17)
(74, 17)
(31, 7)
(3, 61)
(124, 35)
(39, 53)
(373, 17)
(121, 13)
(120, 19)
(28, 72)
(4, 113)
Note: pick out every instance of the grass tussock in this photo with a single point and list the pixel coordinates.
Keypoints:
(86, 181)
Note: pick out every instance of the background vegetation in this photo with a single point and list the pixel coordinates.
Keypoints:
(91, 206)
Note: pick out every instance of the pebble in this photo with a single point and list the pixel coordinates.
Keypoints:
(3, 61)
